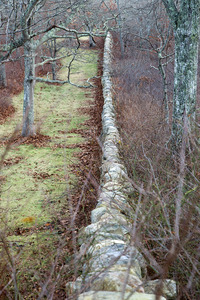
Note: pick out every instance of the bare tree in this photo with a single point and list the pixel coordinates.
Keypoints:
(184, 19)
(33, 23)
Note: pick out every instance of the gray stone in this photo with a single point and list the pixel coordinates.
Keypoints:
(113, 217)
(107, 236)
(113, 186)
(111, 203)
(101, 295)
(105, 228)
(74, 286)
(135, 269)
(97, 213)
(114, 281)
(108, 166)
(115, 254)
(169, 287)
(115, 173)
(106, 243)
(113, 192)
(109, 197)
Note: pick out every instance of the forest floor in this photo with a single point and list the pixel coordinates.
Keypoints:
(49, 182)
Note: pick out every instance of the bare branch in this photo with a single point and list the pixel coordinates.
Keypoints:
(50, 59)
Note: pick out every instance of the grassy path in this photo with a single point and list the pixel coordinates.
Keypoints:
(37, 178)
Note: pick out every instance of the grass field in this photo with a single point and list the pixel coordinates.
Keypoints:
(36, 178)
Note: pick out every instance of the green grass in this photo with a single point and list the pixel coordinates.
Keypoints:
(34, 190)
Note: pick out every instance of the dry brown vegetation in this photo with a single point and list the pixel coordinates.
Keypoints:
(151, 165)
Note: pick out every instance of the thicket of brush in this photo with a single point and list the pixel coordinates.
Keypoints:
(166, 183)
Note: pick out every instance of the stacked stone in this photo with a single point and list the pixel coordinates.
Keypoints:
(113, 268)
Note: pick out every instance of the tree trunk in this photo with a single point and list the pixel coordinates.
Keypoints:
(120, 30)
(185, 77)
(53, 50)
(184, 16)
(53, 68)
(3, 81)
(29, 83)
(91, 41)
(165, 89)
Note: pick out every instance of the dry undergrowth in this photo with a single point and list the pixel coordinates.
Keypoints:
(152, 166)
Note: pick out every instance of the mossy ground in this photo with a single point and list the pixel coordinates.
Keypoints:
(36, 180)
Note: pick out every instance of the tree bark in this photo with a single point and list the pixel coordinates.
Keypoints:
(185, 76)
(3, 81)
(120, 30)
(29, 83)
(165, 89)
(185, 22)
(91, 41)
(53, 51)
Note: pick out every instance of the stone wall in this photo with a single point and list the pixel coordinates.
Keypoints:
(114, 268)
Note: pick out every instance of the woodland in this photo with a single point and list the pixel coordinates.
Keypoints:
(51, 63)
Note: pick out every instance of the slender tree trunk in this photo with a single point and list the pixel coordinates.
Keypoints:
(3, 81)
(29, 83)
(53, 68)
(120, 30)
(91, 41)
(185, 77)
(54, 54)
(165, 89)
